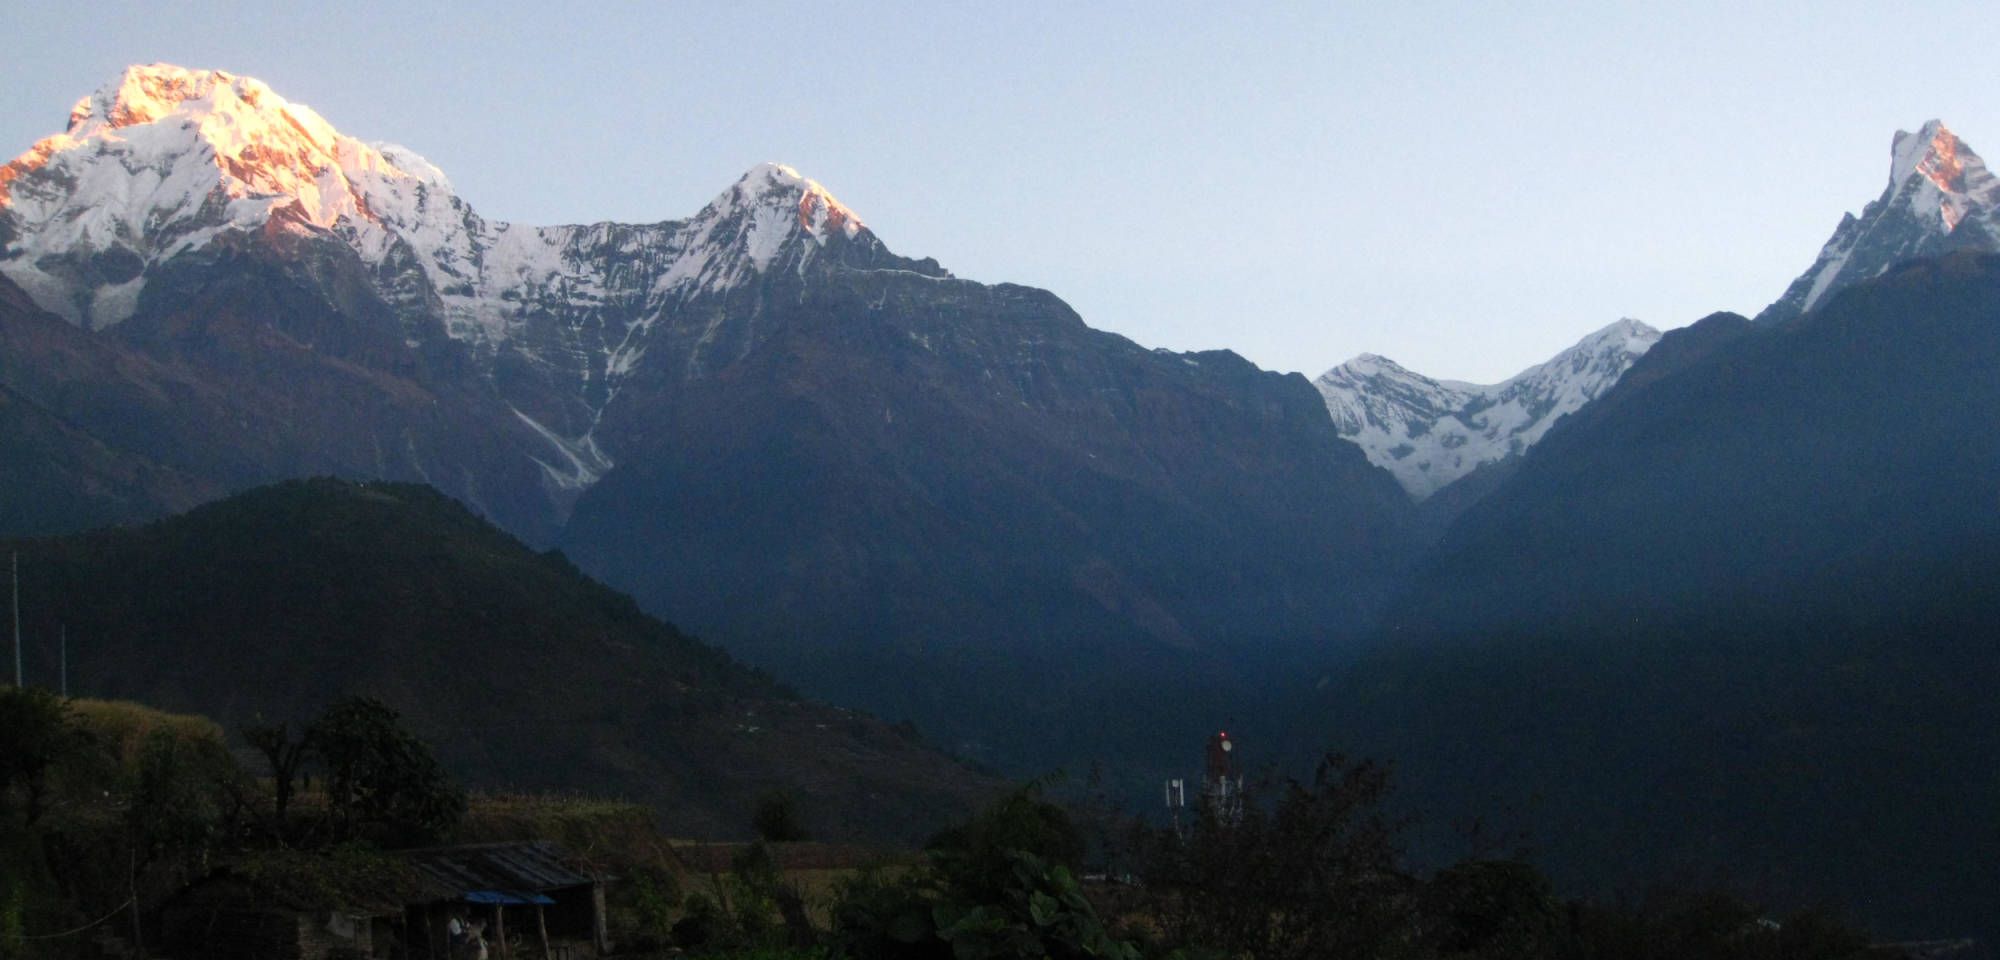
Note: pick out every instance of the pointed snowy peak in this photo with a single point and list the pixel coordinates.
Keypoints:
(1940, 197)
(1371, 392)
(1428, 433)
(781, 188)
(1937, 174)
(1369, 365)
(770, 214)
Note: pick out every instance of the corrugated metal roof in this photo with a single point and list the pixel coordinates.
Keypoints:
(514, 870)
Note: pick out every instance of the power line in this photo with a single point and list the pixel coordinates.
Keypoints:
(70, 933)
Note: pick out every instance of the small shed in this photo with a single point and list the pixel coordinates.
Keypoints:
(536, 904)
(360, 905)
(231, 915)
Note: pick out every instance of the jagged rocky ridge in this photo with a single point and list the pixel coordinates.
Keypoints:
(1430, 433)
(165, 162)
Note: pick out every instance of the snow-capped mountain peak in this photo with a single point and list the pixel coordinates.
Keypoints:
(1940, 197)
(1371, 364)
(744, 230)
(162, 159)
(774, 184)
(147, 94)
(1428, 433)
(1959, 182)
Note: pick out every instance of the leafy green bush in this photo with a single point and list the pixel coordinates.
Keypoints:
(653, 893)
(996, 887)
(976, 859)
(1042, 914)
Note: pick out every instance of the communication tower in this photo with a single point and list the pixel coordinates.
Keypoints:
(1222, 786)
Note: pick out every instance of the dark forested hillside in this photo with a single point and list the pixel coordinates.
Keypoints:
(520, 670)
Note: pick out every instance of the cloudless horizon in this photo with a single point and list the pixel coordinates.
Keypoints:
(1465, 189)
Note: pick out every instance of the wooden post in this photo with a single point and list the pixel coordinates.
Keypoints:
(131, 881)
(500, 928)
(542, 930)
(598, 932)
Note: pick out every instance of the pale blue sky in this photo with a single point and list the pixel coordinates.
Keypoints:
(1465, 188)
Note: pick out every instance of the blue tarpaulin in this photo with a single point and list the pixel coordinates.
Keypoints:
(504, 896)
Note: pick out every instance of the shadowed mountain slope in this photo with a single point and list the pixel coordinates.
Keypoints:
(520, 671)
(1736, 617)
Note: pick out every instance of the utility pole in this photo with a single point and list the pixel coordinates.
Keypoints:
(64, 649)
(17, 619)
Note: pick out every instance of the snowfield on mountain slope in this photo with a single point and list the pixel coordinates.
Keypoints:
(162, 159)
(1428, 433)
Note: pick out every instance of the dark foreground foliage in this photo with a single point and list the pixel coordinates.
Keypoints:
(1317, 870)
(1313, 869)
(108, 809)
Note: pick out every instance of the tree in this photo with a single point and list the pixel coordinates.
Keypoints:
(182, 796)
(1313, 874)
(37, 731)
(1492, 909)
(284, 756)
(379, 774)
(777, 818)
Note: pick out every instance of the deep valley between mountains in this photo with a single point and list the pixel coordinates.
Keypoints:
(1714, 600)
